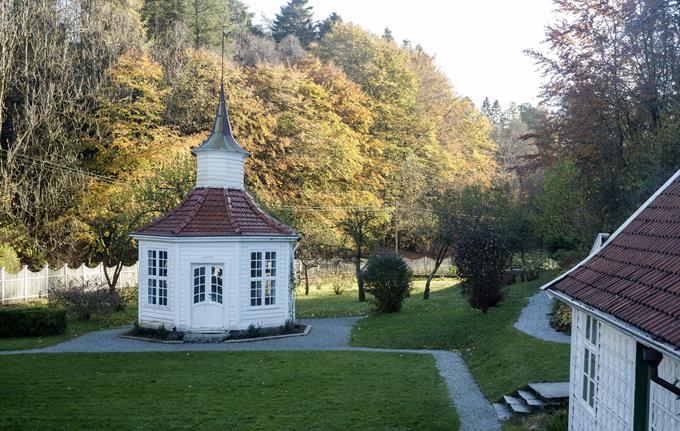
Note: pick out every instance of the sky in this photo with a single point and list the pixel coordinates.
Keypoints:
(477, 43)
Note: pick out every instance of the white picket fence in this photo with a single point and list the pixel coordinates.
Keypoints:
(27, 285)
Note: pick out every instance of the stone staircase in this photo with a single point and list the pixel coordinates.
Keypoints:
(533, 397)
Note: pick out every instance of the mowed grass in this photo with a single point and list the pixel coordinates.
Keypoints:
(224, 390)
(500, 357)
(74, 328)
(324, 302)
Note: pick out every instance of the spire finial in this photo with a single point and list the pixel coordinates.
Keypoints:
(224, 34)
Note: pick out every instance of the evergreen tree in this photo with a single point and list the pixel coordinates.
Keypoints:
(207, 18)
(387, 35)
(325, 26)
(161, 16)
(295, 18)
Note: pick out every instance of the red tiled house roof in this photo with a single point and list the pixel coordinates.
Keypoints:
(216, 212)
(635, 276)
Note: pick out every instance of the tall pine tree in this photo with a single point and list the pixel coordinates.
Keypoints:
(327, 24)
(295, 19)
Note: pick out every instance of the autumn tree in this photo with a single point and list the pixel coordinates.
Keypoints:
(110, 217)
(361, 226)
(47, 88)
(611, 81)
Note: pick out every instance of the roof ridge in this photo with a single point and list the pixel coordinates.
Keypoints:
(227, 205)
(201, 199)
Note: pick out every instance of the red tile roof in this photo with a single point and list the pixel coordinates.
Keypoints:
(216, 212)
(636, 275)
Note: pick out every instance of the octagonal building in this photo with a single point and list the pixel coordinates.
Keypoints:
(216, 262)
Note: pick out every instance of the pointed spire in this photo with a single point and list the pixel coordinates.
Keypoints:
(221, 137)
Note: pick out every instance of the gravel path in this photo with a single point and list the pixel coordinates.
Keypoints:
(535, 320)
(474, 410)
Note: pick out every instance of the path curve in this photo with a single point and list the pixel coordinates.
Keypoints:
(474, 410)
(535, 320)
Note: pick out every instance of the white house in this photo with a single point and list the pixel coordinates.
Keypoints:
(625, 342)
(217, 262)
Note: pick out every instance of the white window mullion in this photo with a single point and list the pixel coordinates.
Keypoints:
(589, 368)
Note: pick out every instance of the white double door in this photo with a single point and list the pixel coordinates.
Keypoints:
(207, 297)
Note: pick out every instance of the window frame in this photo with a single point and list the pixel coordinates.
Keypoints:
(263, 278)
(157, 278)
(589, 363)
(208, 284)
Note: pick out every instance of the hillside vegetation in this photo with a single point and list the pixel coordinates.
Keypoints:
(96, 134)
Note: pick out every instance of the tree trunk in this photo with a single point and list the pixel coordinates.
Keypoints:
(360, 280)
(437, 262)
(306, 279)
(112, 281)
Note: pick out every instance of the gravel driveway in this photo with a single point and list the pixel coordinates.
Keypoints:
(474, 410)
(535, 320)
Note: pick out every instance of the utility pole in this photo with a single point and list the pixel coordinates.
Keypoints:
(197, 30)
(396, 229)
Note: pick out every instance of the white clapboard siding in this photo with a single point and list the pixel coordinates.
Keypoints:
(219, 169)
(27, 285)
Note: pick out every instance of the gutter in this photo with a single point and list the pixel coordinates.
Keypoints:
(640, 335)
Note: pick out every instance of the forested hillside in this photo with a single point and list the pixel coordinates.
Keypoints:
(353, 136)
(98, 120)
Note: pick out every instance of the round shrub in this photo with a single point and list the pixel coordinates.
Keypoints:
(30, 321)
(482, 257)
(388, 281)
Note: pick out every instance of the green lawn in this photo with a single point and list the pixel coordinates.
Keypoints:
(74, 328)
(223, 390)
(500, 357)
(325, 303)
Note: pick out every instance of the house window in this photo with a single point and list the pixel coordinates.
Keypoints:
(204, 291)
(216, 284)
(263, 278)
(199, 284)
(157, 277)
(589, 384)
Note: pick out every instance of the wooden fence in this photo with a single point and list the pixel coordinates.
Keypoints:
(27, 285)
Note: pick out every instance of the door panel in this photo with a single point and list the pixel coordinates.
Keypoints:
(207, 309)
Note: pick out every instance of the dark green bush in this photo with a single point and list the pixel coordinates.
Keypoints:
(28, 321)
(388, 281)
(482, 257)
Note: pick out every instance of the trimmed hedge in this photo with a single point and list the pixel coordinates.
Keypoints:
(28, 321)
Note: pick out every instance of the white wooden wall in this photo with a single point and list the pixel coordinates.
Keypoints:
(235, 257)
(615, 392)
(665, 406)
(27, 285)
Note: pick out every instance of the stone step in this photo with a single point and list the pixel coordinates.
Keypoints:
(517, 405)
(502, 411)
(551, 392)
(530, 398)
(205, 337)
